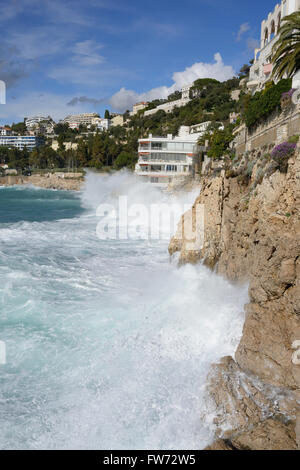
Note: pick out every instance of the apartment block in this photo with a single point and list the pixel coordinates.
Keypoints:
(163, 158)
(21, 141)
(84, 119)
(262, 68)
(171, 105)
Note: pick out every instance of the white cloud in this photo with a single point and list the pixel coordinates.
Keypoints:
(34, 44)
(252, 43)
(124, 99)
(86, 53)
(243, 29)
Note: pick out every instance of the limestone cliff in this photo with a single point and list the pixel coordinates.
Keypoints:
(252, 233)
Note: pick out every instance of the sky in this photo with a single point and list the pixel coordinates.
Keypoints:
(60, 57)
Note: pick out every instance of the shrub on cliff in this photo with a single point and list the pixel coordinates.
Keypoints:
(263, 103)
(219, 141)
(281, 153)
(294, 139)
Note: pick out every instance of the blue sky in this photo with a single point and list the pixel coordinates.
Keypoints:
(61, 57)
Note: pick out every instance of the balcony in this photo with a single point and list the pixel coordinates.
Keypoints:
(268, 68)
(161, 174)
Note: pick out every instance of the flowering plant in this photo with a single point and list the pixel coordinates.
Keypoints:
(288, 94)
(282, 152)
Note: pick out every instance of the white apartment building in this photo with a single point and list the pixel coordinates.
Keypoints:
(163, 158)
(170, 105)
(5, 131)
(101, 123)
(85, 119)
(73, 125)
(261, 70)
(36, 120)
(21, 141)
(202, 128)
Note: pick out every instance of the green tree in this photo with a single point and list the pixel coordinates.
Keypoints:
(82, 153)
(219, 141)
(18, 159)
(4, 152)
(175, 96)
(125, 159)
(19, 128)
(244, 71)
(98, 154)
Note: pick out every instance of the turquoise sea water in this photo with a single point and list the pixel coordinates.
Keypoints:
(108, 343)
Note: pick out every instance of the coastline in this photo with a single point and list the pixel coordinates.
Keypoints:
(252, 236)
(63, 181)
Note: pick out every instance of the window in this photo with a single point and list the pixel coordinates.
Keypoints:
(171, 168)
(266, 36)
(144, 146)
(162, 157)
(278, 22)
(156, 145)
(272, 30)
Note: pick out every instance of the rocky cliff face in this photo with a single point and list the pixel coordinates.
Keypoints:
(253, 235)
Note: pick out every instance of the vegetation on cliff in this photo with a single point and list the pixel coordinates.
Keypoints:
(263, 103)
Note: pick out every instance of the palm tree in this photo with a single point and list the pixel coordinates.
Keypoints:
(286, 50)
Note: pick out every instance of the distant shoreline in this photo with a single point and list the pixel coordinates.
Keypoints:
(63, 181)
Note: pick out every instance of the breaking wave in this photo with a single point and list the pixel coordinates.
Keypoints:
(108, 342)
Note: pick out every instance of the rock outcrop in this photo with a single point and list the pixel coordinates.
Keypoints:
(70, 182)
(253, 234)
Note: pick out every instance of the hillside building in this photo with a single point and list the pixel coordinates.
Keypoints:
(35, 121)
(84, 119)
(202, 128)
(261, 70)
(117, 120)
(163, 158)
(5, 131)
(171, 105)
(21, 141)
(138, 107)
(102, 124)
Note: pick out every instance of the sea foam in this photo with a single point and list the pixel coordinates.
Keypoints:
(108, 342)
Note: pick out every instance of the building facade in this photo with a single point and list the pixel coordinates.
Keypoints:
(163, 158)
(138, 107)
(84, 119)
(5, 131)
(103, 124)
(261, 70)
(170, 105)
(34, 121)
(117, 120)
(21, 141)
(202, 128)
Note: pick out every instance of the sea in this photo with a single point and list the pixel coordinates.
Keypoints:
(108, 341)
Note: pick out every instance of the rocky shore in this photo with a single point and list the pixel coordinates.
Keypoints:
(251, 234)
(60, 181)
